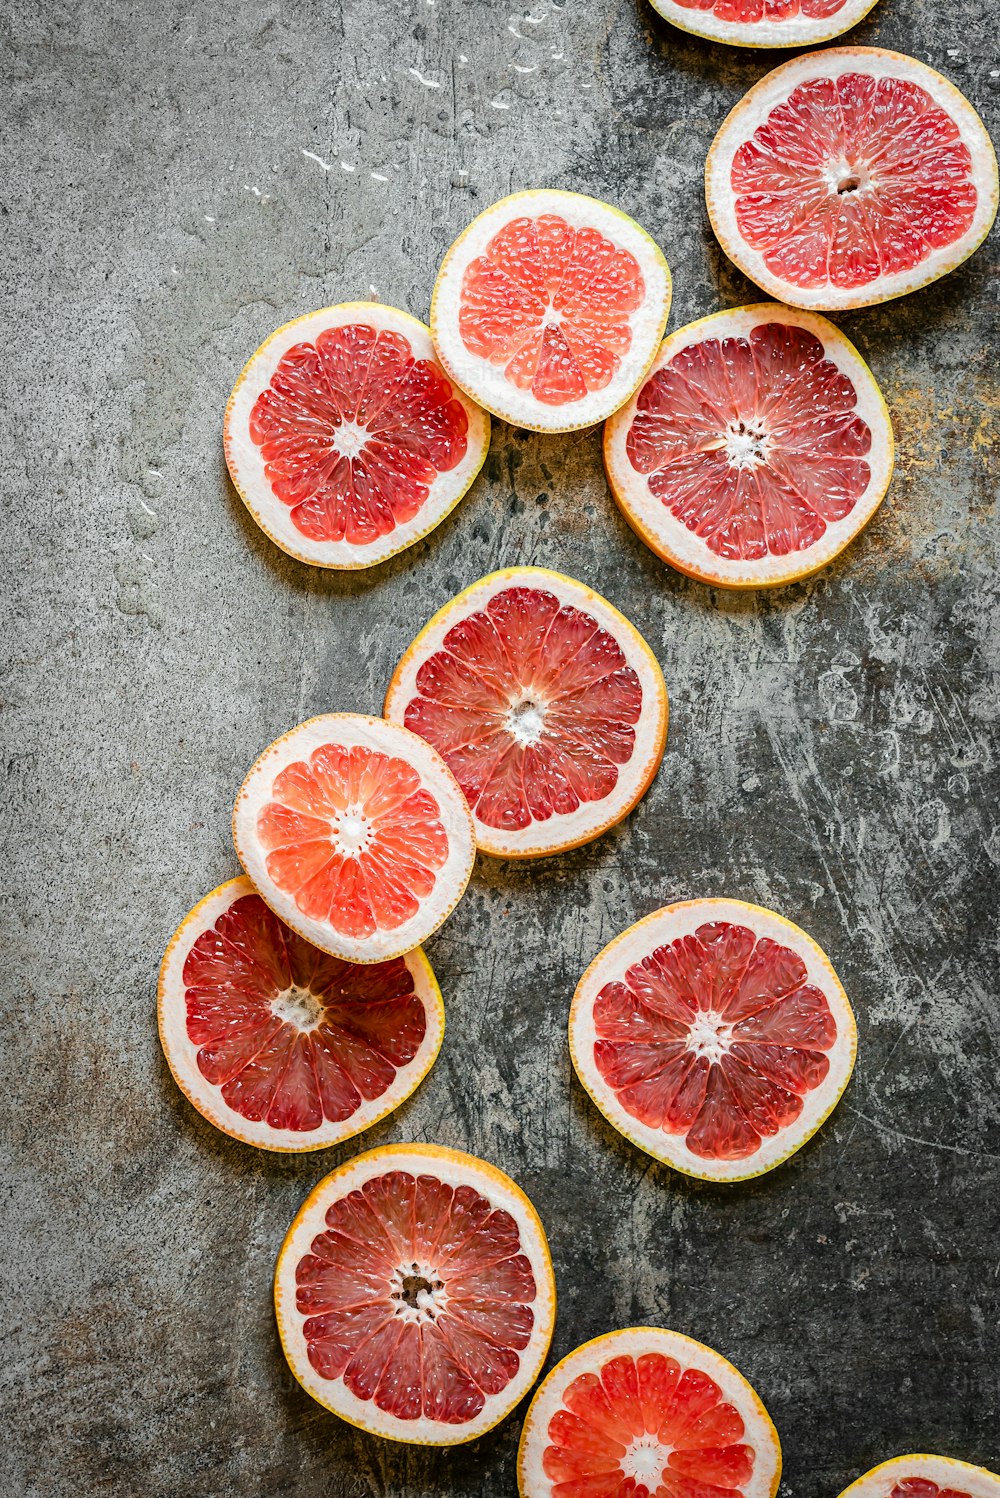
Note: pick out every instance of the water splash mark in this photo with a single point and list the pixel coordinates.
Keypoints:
(138, 593)
(427, 82)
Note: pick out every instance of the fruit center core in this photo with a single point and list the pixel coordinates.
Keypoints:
(352, 832)
(297, 1006)
(526, 720)
(645, 1459)
(418, 1292)
(746, 444)
(710, 1036)
(844, 180)
(349, 439)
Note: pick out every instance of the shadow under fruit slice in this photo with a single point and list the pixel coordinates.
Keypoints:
(925, 1476)
(715, 1035)
(281, 1045)
(414, 1294)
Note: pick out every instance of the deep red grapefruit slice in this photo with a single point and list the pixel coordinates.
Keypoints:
(850, 176)
(924, 1476)
(544, 701)
(765, 23)
(346, 440)
(757, 448)
(647, 1413)
(715, 1035)
(356, 835)
(281, 1045)
(414, 1294)
(548, 309)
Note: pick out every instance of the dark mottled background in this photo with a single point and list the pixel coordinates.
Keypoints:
(831, 748)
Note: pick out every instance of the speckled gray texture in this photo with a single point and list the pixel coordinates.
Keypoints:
(831, 749)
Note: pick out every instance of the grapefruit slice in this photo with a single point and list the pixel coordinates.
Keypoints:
(548, 309)
(414, 1294)
(715, 1035)
(546, 704)
(346, 440)
(764, 23)
(850, 176)
(281, 1045)
(755, 451)
(356, 835)
(647, 1413)
(923, 1476)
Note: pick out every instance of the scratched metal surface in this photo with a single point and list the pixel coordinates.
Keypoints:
(182, 179)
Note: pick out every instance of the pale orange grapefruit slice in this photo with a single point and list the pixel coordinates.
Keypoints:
(356, 835)
(281, 1045)
(924, 1476)
(715, 1035)
(756, 449)
(543, 700)
(765, 23)
(346, 440)
(548, 309)
(414, 1294)
(850, 176)
(647, 1413)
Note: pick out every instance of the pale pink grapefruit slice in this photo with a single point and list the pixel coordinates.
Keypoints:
(356, 834)
(544, 701)
(756, 449)
(548, 309)
(925, 1476)
(414, 1294)
(850, 176)
(346, 440)
(765, 23)
(281, 1045)
(647, 1413)
(715, 1035)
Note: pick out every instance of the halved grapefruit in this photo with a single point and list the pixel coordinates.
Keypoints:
(757, 448)
(356, 835)
(764, 23)
(548, 309)
(850, 176)
(546, 704)
(923, 1476)
(281, 1045)
(414, 1294)
(647, 1413)
(715, 1035)
(346, 440)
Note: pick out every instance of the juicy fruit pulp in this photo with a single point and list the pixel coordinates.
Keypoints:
(749, 12)
(922, 1487)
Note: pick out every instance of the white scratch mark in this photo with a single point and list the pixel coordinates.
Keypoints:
(498, 104)
(557, 56)
(933, 1144)
(533, 20)
(427, 82)
(208, 218)
(379, 177)
(518, 69)
(514, 32)
(462, 57)
(311, 156)
(346, 166)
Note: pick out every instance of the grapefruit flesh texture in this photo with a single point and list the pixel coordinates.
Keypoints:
(750, 11)
(922, 1487)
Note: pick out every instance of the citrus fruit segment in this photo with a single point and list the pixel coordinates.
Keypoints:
(923, 1476)
(850, 176)
(765, 23)
(346, 440)
(647, 1413)
(281, 1045)
(355, 833)
(414, 1294)
(546, 704)
(548, 309)
(756, 449)
(715, 1035)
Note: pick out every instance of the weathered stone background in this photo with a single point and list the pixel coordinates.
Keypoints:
(831, 747)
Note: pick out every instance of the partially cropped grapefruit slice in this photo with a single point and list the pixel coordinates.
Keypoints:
(923, 1476)
(757, 448)
(765, 23)
(647, 1413)
(544, 701)
(548, 309)
(356, 835)
(715, 1035)
(281, 1045)
(346, 440)
(415, 1295)
(850, 176)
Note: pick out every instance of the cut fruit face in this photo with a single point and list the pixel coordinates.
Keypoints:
(281, 1045)
(356, 835)
(414, 1294)
(549, 308)
(923, 1476)
(850, 176)
(757, 448)
(546, 704)
(346, 440)
(765, 23)
(715, 1035)
(646, 1413)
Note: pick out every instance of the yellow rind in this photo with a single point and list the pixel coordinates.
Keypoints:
(861, 1482)
(414, 649)
(814, 39)
(692, 1171)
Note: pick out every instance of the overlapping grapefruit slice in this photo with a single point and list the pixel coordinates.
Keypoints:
(647, 1413)
(414, 1294)
(548, 309)
(281, 1045)
(850, 176)
(356, 835)
(546, 704)
(715, 1035)
(756, 449)
(765, 23)
(346, 440)
(923, 1476)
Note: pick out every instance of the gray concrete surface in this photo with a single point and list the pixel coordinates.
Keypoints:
(831, 748)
